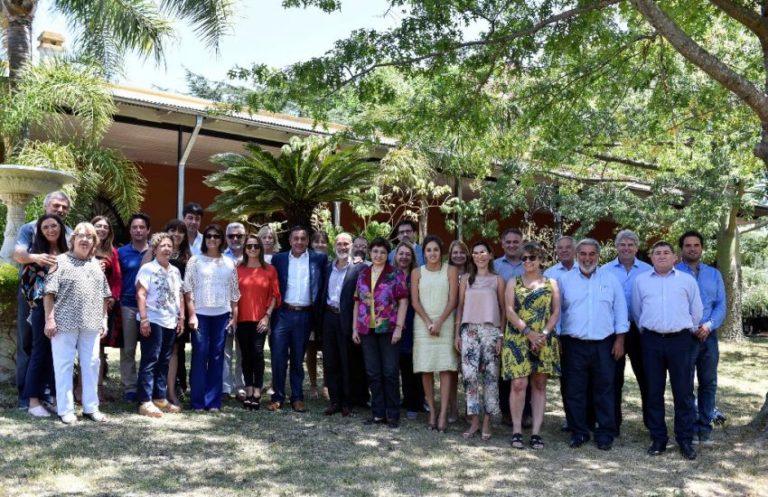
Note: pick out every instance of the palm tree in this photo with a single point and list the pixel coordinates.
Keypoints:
(73, 104)
(110, 28)
(306, 173)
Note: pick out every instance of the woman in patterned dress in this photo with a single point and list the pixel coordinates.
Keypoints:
(76, 296)
(107, 256)
(479, 321)
(434, 288)
(531, 351)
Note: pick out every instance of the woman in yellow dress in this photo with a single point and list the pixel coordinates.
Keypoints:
(531, 350)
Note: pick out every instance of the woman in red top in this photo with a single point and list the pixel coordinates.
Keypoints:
(106, 254)
(259, 296)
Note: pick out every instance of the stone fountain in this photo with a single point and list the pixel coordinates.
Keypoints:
(19, 185)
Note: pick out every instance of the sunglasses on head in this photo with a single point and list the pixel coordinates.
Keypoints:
(527, 258)
(213, 236)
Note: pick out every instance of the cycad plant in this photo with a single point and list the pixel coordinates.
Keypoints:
(305, 173)
(70, 104)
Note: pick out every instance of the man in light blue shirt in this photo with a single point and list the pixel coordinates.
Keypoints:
(668, 309)
(565, 258)
(625, 268)
(509, 266)
(706, 354)
(406, 231)
(594, 319)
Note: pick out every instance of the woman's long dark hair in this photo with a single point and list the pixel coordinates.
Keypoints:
(104, 247)
(40, 244)
(178, 225)
(473, 268)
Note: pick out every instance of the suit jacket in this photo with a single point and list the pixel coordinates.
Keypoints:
(317, 267)
(347, 297)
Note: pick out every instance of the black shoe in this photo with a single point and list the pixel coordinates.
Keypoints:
(605, 445)
(332, 409)
(374, 421)
(577, 441)
(657, 447)
(687, 450)
(394, 424)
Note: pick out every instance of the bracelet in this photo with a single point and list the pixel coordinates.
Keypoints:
(526, 331)
(145, 320)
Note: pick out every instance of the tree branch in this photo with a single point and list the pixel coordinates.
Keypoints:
(748, 17)
(701, 58)
(621, 160)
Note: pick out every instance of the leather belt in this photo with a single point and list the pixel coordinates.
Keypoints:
(297, 308)
(332, 309)
(669, 334)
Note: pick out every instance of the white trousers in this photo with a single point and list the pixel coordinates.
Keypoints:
(63, 347)
(232, 383)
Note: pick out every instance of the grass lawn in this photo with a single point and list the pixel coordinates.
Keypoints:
(238, 453)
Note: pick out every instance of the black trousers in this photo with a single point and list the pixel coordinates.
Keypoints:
(413, 388)
(633, 349)
(336, 351)
(382, 364)
(358, 378)
(590, 365)
(251, 343)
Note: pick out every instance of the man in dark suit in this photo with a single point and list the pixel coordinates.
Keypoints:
(338, 300)
(301, 273)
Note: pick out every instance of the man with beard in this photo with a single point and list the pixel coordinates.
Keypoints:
(338, 303)
(667, 305)
(706, 353)
(593, 322)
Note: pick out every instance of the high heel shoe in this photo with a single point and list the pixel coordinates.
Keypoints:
(247, 403)
(255, 403)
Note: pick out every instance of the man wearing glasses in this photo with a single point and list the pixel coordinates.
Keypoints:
(406, 231)
(234, 383)
(130, 256)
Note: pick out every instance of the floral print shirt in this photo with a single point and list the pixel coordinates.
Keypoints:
(391, 286)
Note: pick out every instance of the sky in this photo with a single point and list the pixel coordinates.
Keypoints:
(262, 32)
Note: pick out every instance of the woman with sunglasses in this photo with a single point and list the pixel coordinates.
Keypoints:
(259, 296)
(76, 293)
(479, 321)
(211, 293)
(531, 351)
(50, 238)
(106, 254)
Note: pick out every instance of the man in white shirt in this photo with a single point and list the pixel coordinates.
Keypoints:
(192, 217)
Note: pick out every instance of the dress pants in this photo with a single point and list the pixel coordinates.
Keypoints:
(382, 360)
(662, 354)
(128, 374)
(705, 357)
(156, 350)
(40, 369)
(413, 387)
(289, 341)
(336, 347)
(232, 382)
(251, 343)
(23, 345)
(358, 378)
(633, 349)
(64, 345)
(207, 361)
(589, 364)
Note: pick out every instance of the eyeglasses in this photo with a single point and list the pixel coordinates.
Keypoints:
(212, 236)
(252, 246)
(232, 236)
(83, 236)
(532, 258)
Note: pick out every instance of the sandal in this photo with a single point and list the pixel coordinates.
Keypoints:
(486, 436)
(517, 441)
(536, 442)
(471, 432)
(255, 402)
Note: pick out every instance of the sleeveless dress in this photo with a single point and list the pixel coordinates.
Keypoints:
(533, 307)
(432, 354)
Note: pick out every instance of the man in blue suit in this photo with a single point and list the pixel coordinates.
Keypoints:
(301, 273)
(338, 303)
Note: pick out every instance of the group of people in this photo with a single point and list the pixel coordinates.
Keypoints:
(382, 315)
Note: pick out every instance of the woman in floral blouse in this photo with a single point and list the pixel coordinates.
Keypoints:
(381, 303)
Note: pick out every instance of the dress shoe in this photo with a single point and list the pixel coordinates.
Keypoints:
(166, 406)
(298, 406)
(345, 412)
(577, 441)
(687, 450)
(332, 409)
(657, 447)
(605, 445)
(374, 421)
(274, 406)
(393, 424)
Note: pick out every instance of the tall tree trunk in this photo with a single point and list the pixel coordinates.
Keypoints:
(20, 14)
(729, 262)
(423, 217)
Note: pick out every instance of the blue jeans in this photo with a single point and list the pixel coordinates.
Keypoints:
(704, 359)
(669, 354)
(39, 372)
(382, 366)
(23, 345)
(289, 339)
(156, 350)
(207, 365)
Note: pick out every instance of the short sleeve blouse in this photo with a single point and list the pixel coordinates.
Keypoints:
(79, 288)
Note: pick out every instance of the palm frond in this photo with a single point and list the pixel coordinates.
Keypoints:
(305, 174)
(210, 19)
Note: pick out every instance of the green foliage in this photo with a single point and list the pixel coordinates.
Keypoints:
(754, 298)
(305, 174)
(9, 277)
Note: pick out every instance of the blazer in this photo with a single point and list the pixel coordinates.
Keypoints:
(347, 297)
(317, 267)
